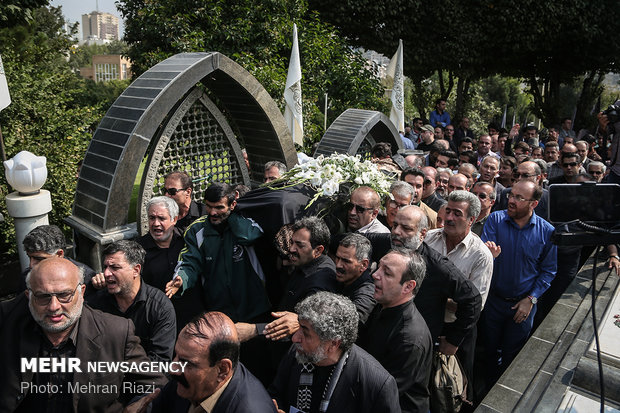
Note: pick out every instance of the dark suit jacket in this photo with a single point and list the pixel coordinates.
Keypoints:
(101, 337)
(243, 394)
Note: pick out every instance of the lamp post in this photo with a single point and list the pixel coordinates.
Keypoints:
(30, 204)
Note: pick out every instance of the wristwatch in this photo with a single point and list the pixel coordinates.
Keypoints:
(533, 299)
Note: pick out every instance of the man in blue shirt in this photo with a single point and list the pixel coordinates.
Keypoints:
(522, 272)
(439, 117)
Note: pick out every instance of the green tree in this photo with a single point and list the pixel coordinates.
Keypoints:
(258, 36)
(46, 115)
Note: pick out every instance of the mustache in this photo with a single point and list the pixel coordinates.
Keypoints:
(340, 270)
(180, 379)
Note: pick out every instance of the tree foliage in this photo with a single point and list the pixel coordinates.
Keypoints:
(47, 115)
(546, 43)
(258, 36)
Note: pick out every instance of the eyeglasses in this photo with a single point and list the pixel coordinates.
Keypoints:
(62, 297)
(393, 204)
(596, 172)
(517, 198)
(517, 175)
(572, 164)
(358, 208)
(481, 195)
(172, 191)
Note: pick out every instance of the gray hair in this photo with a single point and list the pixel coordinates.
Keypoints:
(473, 209)
(443, 171)
(45, 238)
(360, 243)
(134, 253)
(80, 270)
(493, 194)
(416, 267)
(402, 189)
(332, 316)
(281, 167)
(541, 164)
(597, 163)
(168, 203)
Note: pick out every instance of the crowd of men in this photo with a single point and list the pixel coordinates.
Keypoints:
(311, 316)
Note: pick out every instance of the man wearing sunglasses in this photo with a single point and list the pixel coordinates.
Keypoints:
(178, 186)
(50, 320)
(571, 164)
(362, 210)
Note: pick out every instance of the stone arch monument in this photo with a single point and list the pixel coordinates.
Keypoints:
(355, 132)
(189, 112)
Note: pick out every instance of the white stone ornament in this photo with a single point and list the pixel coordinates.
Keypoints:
(26, 172)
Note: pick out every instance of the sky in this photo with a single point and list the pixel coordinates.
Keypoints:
(73, 10)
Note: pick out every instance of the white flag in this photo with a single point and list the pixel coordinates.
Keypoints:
(395, 72)
(5, 97)
(292, 94)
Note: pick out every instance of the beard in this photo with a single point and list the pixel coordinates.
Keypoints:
(412, 243)
(71, 316)
(314, 357)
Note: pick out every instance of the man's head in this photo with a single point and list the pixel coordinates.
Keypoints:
(122, 263)
(464, 123)
(273, 170)
(530, 132)
(178, 186)
(486, 194)
(440, 105)
(444, 157)
(398, 277)
(489, 166)
(597, 170)
(409, 227)
(162, 213)
(220, 199)
(427, 134)
(567, 124)
(362, 207)
(415, 178)
(414, 161)
(461, 212)
(449, 132)
(381, 150)
(327, 328)
(523, 198)
(554, 134)
(569, 148)
(352, 258)
(506, 166)
(458, 182)
(55, 295)
(402, 195)
(417, 124)
(527, 171)
(439, 132)
(493, 128)
(430, 181)
(537, 152)
(44, 241)
(210, 346)
(570, 163)
(443, 176)
(469, 157)
(310, 238)
(582, 149)
(552, 151)
(484, 145)
(521, 150)
(494, 143)
(466, 145)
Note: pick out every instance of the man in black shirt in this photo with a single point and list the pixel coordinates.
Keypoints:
(396, 333)
(353, 274)
(441, 281)
(127, 296)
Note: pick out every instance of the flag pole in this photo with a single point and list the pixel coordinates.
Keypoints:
(2, 150)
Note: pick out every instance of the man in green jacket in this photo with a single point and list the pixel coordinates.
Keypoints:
(218, 254)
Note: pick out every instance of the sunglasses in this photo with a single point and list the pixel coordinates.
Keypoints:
(596, 172)
(172, 191)
(358, 208)
(45, 298)
(566, 165)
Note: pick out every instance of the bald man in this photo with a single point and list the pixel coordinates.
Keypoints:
(51, 320)
(362, 210)
(215, 380)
